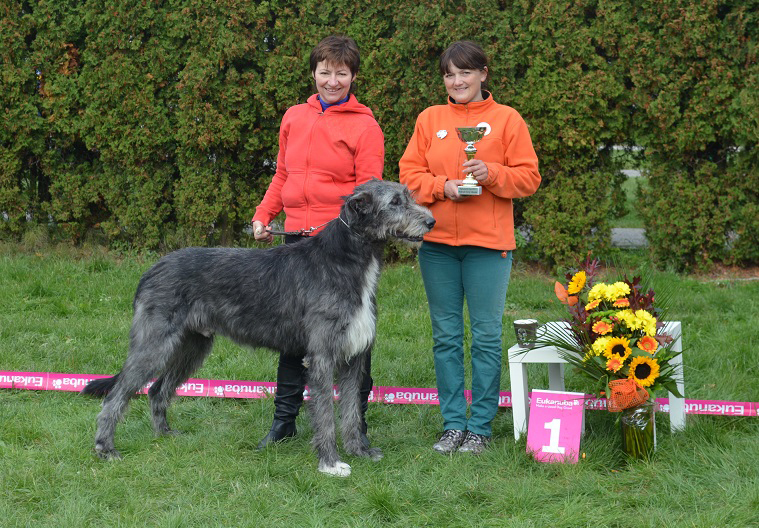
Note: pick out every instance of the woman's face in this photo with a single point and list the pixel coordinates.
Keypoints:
(464, 86)
(333, 82)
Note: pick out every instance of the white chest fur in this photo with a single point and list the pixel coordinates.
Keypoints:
(363, 326)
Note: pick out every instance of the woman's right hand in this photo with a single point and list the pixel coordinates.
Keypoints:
(451, 191)
(261, 232)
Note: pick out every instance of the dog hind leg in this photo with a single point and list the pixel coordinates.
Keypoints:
(131, 378)
(187, 358)
(150, 348)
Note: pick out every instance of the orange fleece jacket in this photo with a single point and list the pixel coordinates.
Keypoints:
(322, 157)
(429, 161)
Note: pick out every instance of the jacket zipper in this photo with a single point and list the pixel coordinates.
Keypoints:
(308, 171)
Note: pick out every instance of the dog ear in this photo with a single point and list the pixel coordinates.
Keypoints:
(359, 201)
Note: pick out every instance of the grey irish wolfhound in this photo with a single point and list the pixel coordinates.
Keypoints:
(315, 298)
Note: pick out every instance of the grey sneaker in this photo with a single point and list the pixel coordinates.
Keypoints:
(474, 443)
(450, 441)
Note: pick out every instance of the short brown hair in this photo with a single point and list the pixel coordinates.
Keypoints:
(336, 49)
(465, 55)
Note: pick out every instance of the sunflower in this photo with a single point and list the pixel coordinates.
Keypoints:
(577, 283)
(618, 347)
(644, 371)
(648, 343)
(602, 327)
(614, 364)
(621, 303)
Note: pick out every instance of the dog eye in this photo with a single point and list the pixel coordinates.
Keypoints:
(396, 200)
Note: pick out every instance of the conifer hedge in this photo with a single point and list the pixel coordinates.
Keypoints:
(155, 123)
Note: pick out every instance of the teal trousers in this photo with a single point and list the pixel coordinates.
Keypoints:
(479, 276)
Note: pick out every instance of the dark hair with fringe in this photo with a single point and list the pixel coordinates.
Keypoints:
(465, 55)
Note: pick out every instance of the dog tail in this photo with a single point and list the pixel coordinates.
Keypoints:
(100, 387)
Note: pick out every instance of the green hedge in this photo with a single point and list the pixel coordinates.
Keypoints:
(155, 124)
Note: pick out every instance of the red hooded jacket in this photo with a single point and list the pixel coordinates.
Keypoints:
(322, 157)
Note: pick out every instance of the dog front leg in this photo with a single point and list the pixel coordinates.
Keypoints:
(321, 407)
(351, 374)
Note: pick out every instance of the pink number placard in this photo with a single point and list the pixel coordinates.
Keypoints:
(555, 426)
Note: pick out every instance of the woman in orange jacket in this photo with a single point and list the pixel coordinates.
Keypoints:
(467, 255)
(327, 146)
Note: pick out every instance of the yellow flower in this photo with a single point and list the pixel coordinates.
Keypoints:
(628, 318)
(644, 371)
(597, 292)
(616, 291)
(618, 347)
(646, 322)
(577, 283)
(599, 345)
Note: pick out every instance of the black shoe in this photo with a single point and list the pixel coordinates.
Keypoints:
(279, 431)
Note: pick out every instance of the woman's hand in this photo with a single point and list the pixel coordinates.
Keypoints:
(451, 190)
(261, 232)
(477, 169)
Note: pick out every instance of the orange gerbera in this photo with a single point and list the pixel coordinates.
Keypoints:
(602, 327)
(648, 344)
(621, 303)
(614, 364)
(592, 305)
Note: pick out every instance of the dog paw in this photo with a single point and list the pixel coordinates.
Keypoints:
(107, 454)
(340, 469)
(375, 454)
(169, 432)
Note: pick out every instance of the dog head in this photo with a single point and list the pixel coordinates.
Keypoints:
(380, 210)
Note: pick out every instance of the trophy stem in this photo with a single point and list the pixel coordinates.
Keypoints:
(470, 135)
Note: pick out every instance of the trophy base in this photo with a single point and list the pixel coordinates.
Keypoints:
(466, 190)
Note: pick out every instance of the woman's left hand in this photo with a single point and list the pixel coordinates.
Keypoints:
(477, 169)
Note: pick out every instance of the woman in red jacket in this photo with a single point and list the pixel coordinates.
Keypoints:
(467, 255)
(327, 146)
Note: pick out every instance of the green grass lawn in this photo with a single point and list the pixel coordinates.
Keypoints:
(65, 311)
(633, 218)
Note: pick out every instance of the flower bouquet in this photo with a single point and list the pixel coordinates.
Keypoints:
(614, 336)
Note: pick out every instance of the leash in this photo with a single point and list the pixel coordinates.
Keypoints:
(301, 232)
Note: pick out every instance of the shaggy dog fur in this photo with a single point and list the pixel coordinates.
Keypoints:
(315, 298)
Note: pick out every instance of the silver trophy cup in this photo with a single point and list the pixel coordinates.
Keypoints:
(470, 136)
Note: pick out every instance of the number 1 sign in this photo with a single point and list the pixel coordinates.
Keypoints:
(555, 426)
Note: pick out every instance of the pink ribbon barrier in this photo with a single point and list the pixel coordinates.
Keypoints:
(392, 395)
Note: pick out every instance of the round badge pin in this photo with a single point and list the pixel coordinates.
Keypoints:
(486, 125)
(442, 133)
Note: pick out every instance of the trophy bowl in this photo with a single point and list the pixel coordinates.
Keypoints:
(471, 135)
